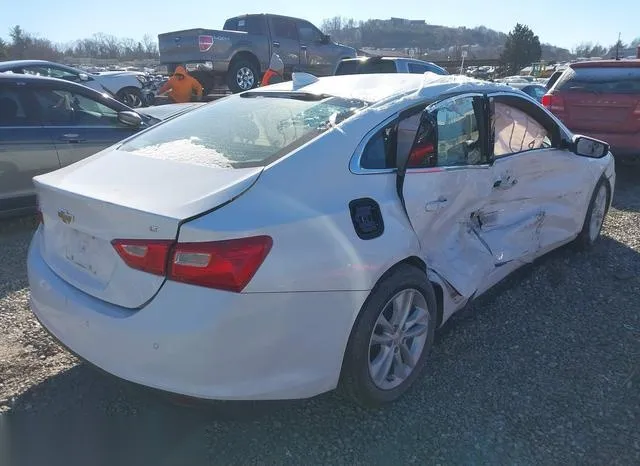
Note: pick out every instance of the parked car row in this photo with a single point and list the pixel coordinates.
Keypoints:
(125, 86)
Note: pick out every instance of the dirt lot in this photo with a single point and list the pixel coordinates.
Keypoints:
(545, 369)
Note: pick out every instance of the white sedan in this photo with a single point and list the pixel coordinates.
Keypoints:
(292, 239)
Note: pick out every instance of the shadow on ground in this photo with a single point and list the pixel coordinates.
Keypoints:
(627, 191)
(543, 369)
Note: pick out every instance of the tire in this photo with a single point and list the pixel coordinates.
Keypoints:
(131, 97)
(363, 355)
(596, 214)
(206, 80)
(242, 75)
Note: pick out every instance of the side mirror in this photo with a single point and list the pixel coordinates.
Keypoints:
(83, 77)
(326, 39)
(130, 118)
(589, 147)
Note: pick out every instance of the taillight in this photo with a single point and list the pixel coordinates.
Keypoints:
(546, 100)
(145, 255)
(226, 265)
(553, 103)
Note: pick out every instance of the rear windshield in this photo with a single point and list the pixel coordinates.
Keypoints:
(622, 80)
(249, 24)
(244, 130)
(365, 67)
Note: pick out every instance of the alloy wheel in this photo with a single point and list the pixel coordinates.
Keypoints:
(398, 339)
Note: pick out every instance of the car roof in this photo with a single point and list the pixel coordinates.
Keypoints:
(4, 65)
(374, 88)
(32, 78)
(11, 78)
(635, 63)
(519, 85)
(382, 58)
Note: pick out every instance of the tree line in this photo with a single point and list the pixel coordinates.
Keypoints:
(432, 42)
(591, 50)
(24, 46)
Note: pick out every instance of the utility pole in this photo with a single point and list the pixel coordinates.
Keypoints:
(618, 48)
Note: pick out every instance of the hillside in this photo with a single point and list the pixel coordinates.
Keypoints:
(436, 42)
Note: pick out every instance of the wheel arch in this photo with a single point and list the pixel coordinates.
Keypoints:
(246, 55)
(420, 264)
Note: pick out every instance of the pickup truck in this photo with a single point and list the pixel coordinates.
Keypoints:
(239, 54)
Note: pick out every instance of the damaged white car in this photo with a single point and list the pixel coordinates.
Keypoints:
(288, 240)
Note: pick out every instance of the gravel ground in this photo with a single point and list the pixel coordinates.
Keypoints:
(545, 369)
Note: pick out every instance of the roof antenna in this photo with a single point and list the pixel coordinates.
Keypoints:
(618, 48)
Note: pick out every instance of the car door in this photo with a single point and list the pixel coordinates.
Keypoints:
(538, 186)
(26, 150)
(79, 123)
(445, 181)
(316, 56)
(285, 41)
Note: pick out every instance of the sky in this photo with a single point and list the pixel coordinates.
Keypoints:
(561, 23)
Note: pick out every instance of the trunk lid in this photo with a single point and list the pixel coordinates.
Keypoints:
(122, 195)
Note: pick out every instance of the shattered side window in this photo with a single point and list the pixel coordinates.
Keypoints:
(458, 134)
(516, 131)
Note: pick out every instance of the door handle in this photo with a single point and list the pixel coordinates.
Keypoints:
(71, 138)
(303, 47)
(276, 44)
(435, 205)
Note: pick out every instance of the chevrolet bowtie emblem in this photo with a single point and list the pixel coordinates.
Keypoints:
(66, 216)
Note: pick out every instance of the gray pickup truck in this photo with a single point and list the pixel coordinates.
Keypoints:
(239, 53)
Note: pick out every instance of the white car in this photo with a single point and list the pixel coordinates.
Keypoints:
(287, 240)
(126, 86)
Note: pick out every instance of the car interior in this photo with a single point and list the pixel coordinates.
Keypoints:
(12, 111)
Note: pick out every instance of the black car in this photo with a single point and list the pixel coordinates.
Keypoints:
(47, 123)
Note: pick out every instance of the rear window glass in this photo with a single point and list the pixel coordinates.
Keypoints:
(419, 68)
(366, 67)
(249, 24)
(623, 80)
(239, 132)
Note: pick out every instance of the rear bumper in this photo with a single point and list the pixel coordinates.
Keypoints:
(200, 342)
